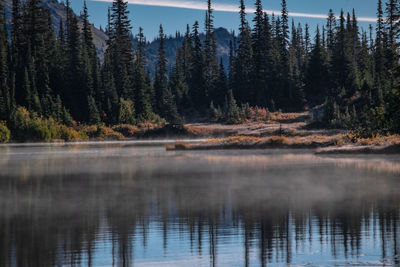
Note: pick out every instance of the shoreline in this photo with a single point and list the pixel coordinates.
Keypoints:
(318, 148)
(285, 131)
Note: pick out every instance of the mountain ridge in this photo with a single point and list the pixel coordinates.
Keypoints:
(58, 11)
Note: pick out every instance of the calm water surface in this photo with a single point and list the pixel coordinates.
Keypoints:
(122, 204)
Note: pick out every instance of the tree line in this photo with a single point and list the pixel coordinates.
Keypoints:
(352, 74)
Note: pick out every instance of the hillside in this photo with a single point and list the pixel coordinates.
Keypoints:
(58, 12)
(222, 37)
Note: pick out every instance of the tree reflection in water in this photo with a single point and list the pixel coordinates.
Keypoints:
(122, 205)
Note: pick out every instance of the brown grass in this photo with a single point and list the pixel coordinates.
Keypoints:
(286, 117)
(375, 141)
(309, 141)
(249, 142)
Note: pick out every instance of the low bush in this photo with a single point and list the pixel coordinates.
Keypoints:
(30, 127)
(101, 132)
(90, 130)
(4, 133)
(126, 130)
(69, 134)
(106, 133)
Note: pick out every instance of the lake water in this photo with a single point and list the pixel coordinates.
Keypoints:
(125, 204)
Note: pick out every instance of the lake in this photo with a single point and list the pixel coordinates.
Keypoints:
(135, 204)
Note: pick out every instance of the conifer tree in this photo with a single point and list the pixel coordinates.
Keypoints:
(342, 63)
(210, 52)
(260, 49)
(243, 63)
(76, 87)
(177, 83)
(187, 50)
(120, 47)
(165, 101)
(222, 85)
(317, 80)
(94, 116)
(89, 54)
(379, 57)
(161, 81)
(307, 40)
(284, 27)
(4, 71)
(392, 29)
(142, 90)
(196, 80)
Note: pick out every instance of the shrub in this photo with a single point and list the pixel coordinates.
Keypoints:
(106, 133)
(39, 130)
(215, 113)
(126, 130)
(69, 134)
(90, 131)
(30, 127)
(126, 112)
(4, 133)
(101, 132)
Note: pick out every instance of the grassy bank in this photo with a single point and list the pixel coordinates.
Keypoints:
(287, 131)
(279, 130)
(340, 143)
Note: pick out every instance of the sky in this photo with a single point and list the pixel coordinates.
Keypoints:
(174, 15)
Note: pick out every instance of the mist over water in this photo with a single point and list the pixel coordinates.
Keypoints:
(122, 204)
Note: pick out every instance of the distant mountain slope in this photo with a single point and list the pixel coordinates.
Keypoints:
(58, 11)
(222, 36)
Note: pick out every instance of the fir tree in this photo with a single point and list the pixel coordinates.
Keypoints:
(196, 80)
(165, 102)
(379, 56)
(120, 47)
(4, 72)
(260, 44)
(221, 85)
(77, 91)
(392, 29)
(142, 90)
(177, 83)
(317, 79)
(94, 116)
(243, 63)
(210, 52)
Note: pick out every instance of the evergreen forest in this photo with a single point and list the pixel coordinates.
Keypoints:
(350, 75)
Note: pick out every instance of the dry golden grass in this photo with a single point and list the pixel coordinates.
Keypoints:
(271, 141)
(205, 130)
(285, 117)
(375, 141)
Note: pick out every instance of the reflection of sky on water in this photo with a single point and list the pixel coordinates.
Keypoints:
(117, 205)
(314, 249)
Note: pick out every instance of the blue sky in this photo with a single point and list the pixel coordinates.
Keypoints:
(149, 14)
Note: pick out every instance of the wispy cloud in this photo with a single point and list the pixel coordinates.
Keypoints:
(187, 4)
